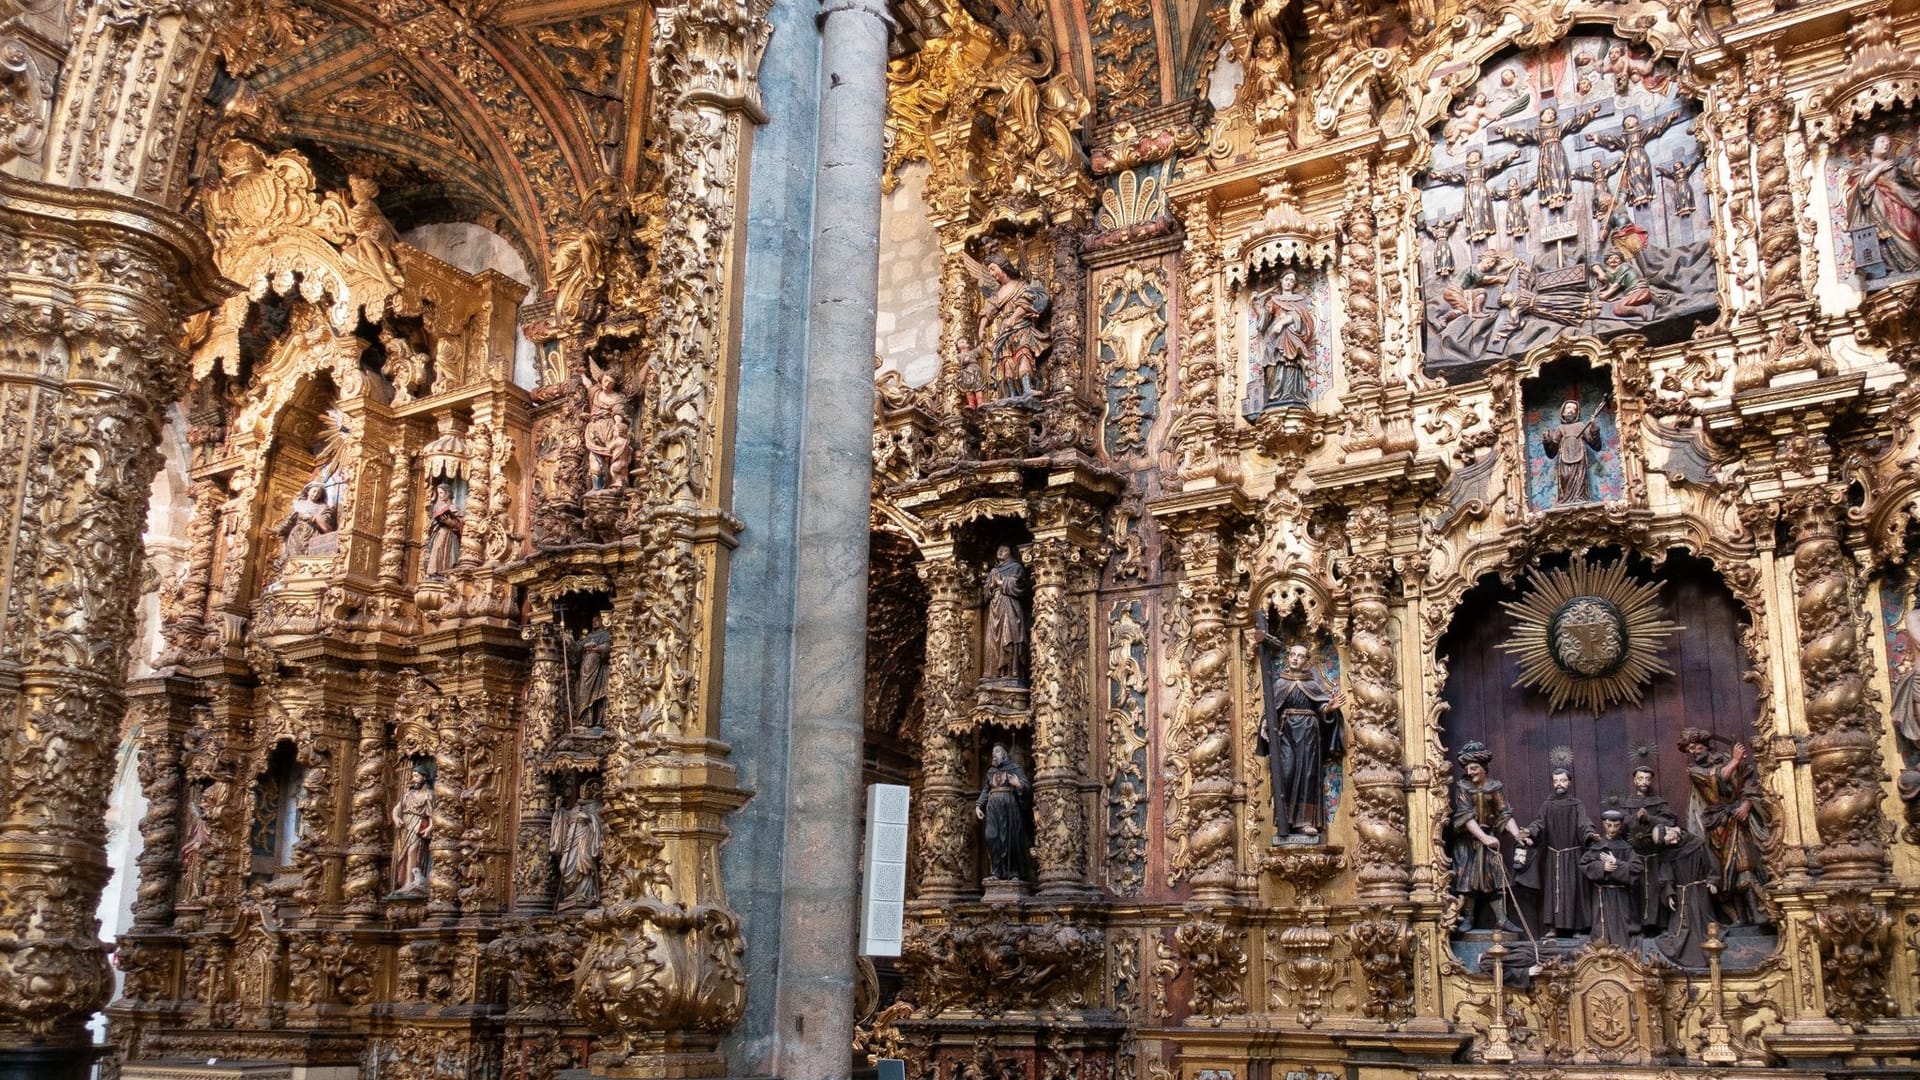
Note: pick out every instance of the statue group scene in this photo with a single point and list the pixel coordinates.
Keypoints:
(1565, 196)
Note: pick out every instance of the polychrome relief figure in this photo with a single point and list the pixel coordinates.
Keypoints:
(312, 526)
(1011, 337)
(1568, 444)
(1883, 194)
(1287, 342)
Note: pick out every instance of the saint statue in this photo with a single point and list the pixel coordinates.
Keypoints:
(1614, 868)
(1473, 174)
(405, 367)
(1906, 688)
(444, 523)
(577, 834)
(1648, 814)
(1568, 444)
(1563, 828)
(1632, 139)
(1003, 806)
(1554, 175)
(1299, 730)
(1286, 342)
(1884, 195)
(590, 678)
(1692, 881)
(1480, 814)
(608, 435)
(1728, 812)
(1010, 331)
(373, 237)
(312, 527)
(193, 847)
(412, 819)
(1003, 658)
(1270, 82)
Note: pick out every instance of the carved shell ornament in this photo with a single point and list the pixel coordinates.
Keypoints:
(1589, 636)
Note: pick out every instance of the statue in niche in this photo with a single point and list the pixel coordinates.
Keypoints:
(1883, 194)
(1727, 810)
(1480, 814)
(1286, 329)
(406, 367)
(1472, 176)
(608, 435)
(1563, 830)
(444, 524)
(194, 845)
(590, 678)
(1568, 443)
(1003, 807)
(1905, 713)
(576, 836)
(1614, 868)
(312, 527)
(1299, 730)
(1688, 893)
(1012, 341)
(373, 238)
(1647, 815)
(1003, 655)
(412, 819)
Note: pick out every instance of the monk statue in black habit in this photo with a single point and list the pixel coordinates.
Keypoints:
(1551, 867)
(1614, 868)
(1003, 806)
(1647, 815)
(1300, 730)
(1692, 880)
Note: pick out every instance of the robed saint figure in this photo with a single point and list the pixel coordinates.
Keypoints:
(1003, 806)
(1299, 730)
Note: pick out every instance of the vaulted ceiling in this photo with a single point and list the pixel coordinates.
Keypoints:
(504, 114)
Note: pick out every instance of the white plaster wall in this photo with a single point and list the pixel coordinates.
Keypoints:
(907, 330)
(473, 248)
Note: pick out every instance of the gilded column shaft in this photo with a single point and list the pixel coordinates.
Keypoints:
(1372, 695)
(943, 825)
(98, 285)
(1059, 712)
(1198, 760)
(1844, 747)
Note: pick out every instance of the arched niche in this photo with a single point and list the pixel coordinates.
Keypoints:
(1708, 688)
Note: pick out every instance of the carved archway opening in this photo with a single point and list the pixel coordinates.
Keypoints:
(1709, 688)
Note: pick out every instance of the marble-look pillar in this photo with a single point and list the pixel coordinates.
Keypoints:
(99, 284)
(826, 734)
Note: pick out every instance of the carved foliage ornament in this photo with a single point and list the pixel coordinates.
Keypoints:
(1589, 636)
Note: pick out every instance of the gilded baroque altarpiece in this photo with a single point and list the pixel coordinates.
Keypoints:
(1546, 372)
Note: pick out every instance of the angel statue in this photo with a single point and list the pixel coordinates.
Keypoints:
(1012, 341)
(608, 434)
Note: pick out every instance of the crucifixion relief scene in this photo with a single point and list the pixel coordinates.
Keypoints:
(960, 540)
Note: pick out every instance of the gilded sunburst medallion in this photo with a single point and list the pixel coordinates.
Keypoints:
(1589, 636)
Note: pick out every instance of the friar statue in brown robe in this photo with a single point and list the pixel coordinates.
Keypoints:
(1551, 868)
(1613, 867)
(1299, 731)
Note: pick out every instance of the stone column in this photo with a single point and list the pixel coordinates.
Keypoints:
(826, 735)
(1844, 726)
(98, 285)
(943, 827)
(1059, 713)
